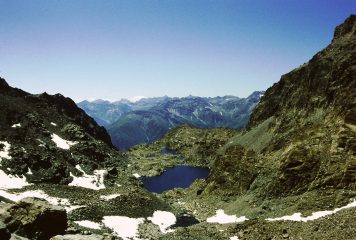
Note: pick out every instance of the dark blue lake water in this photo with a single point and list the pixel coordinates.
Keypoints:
(171, 152)
(168, 151)
(176, 177)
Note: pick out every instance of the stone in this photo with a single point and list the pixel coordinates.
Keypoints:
(4, 232)
(37, 219)
(16, 237)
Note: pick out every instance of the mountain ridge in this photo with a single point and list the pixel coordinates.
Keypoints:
(290, 174)
(314, 100)
(34, 122)
(295, 158)
(149, 119)
(53, 153)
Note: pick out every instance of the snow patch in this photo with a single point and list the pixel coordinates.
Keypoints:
(163, 220)
(89, 224)
(136, 175)
(234, 238)
(196, 113)
(95, 182)
(53, 124)
(61, 143)
(174, 112)
(74, 207)
(23, 149)
(297, 217)
(223, 218)
(171, 124)
(35, 193)
(17, 125)
(39, 194)
(29, 172)
(10, 182)
(110, 197)
(42, 143)
(124, 227)
(4, 153)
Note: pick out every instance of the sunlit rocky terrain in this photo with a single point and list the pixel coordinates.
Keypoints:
(289, 174)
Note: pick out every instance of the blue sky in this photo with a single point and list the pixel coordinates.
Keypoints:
(88, 49)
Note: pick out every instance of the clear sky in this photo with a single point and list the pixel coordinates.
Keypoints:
(114, 49)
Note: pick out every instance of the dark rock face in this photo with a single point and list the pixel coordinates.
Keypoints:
(298, 169)
(347, 29)
(34, 219)
(4, 232)
(233, 172)
(29, 123)
(67, 107)
(326, 81)
(18, 102)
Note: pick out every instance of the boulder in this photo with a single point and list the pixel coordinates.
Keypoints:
(4, 232)
(36, 219)
(16, 237)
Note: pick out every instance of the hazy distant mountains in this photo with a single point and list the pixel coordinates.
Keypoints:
(144, 121)
(105, 112)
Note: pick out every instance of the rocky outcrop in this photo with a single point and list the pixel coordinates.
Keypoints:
(233, 172)
(198, 146)
(295, 158)
(327, 81)
(345, 30)
(301, 137)
(51, 149)
(48, 136)
(4, 232)
(32, 218)
(54, 106)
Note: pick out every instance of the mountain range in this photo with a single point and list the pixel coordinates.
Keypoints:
(291, 171)
(147, 120)
(53, 153)
(289, 174)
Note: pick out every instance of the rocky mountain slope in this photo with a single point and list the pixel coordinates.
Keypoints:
(291, 174)
(293, 169)
(301, 136)
(49, 135)
(149, 119)
(311, 113)
(50, 149)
